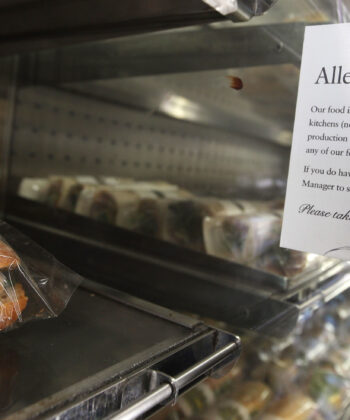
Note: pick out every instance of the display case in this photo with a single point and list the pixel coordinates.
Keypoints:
(147, 147)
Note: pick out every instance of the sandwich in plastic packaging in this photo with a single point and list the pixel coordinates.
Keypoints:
(33, 284)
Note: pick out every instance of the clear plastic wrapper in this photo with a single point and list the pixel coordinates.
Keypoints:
(107, 204)
(184, 219)
(252, 239)
(64, 191)
(284, 262)
(34, 189)
(59, 187)
(130, 206)
(243, 237)
(33, 284)
(146, 217)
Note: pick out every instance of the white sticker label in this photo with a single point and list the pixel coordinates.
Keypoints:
(317, 209)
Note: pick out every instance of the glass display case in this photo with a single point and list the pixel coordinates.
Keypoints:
(147, 148)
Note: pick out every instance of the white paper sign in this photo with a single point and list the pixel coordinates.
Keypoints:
(317, 209)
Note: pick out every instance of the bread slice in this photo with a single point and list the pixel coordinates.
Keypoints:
(13, 301)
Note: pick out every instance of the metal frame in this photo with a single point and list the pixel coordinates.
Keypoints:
(57, 132)
(144, 382)
(170, 390)
(8, 89)
(157, 271)
(40, 24)
(197, 49)
(160, 272)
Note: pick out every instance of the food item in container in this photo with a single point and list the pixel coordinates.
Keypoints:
(149, 214)
(184, 219)
(145, 217)
(33, 284)
(58, 189)
(152, 209)
(70, 195)
(85, 198)
(243, 237)
(283, 262)
(13, 301)
(35, 189)
(107, 204)
(8, 257)
(292, 407)
(12, 296)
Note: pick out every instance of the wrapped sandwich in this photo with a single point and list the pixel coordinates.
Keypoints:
(146, 216)
(184, 219)
(284, 262)
(70, 195)
(35, 189)
(64, 191)
(58, 187)
(242, 237)
(13, 300)
(33, 284)
(107, 204)
(149, 218)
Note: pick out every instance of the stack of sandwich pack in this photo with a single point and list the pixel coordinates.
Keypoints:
(242, 231)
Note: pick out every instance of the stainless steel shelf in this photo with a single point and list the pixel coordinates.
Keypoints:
(108, 354)
(235, 296)
(34, 24)
(156, 271)
(325, 292)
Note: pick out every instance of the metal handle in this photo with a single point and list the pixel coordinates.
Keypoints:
(327, 292)
(169, 391)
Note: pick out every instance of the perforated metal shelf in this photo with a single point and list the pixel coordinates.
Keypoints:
(56, 132)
